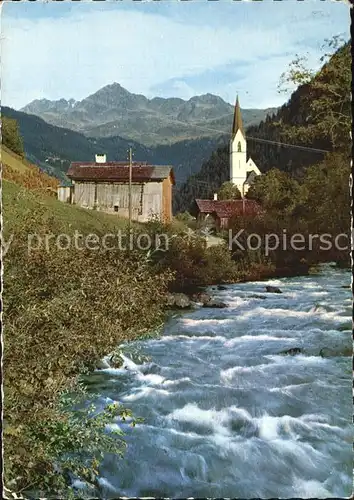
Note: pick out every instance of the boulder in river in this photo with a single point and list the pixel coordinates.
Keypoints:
(178, 301)
(201, 298)
(344, 351)
(216, 304)
(273, 289)
(222, 287)
(102, 364)
(292, 352)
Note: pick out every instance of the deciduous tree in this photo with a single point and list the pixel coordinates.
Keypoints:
(229, 191)
(325, 101)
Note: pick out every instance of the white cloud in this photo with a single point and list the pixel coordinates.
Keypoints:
(75, 55)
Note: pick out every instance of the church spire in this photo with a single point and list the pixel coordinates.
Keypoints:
(237, 125)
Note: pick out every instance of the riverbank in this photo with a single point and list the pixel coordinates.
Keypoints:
(66, 308)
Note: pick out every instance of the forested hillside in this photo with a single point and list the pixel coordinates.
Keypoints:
(53, 148)
(317, 117)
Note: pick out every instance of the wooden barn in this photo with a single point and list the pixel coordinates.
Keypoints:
(216, 214)
(104, 186)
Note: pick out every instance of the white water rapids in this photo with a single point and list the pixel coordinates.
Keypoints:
(225, 413)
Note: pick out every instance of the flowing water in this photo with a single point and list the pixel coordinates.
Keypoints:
(226, 414)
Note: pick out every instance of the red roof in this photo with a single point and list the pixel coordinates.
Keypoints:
(107, 164)
(228, 208)
(118, 171)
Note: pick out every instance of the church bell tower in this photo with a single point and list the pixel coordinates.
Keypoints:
(238, 151)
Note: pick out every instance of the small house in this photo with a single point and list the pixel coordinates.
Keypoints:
(105, 186)
(216, 214)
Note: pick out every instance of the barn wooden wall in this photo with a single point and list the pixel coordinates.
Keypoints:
(147, 199)
(152, 203)
(64, 194)
(167, 199)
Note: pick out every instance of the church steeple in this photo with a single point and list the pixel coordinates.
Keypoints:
(237, 124)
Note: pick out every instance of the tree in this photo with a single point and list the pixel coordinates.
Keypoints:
(229, 191)
(184, 216)
(205, 183)
(325, 101)
(275, 191)
(10, 135)
(325, 194)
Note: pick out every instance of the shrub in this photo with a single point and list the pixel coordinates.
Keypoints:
(63, 311)
(195, 265)
(184, 216)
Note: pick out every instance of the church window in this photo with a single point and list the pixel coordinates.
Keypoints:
(239, 147)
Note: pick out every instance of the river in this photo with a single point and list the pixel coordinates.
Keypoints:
(225, 414)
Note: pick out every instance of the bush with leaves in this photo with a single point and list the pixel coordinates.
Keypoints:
(64, 310)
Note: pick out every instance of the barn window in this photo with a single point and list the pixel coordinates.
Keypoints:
(115, 208)
(239, 147)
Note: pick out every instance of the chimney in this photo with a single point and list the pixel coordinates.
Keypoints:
(100, 158)
(215, 196)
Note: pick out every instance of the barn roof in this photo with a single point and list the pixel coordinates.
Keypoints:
(119, 172)
(228, 208)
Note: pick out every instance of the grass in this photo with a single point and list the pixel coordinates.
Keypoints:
(63, 218)
(14, 160)
(19, 171)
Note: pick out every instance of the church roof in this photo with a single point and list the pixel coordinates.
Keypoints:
(237, 124)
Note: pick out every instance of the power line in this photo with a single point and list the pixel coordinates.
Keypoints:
(279, 143)
(289, 145)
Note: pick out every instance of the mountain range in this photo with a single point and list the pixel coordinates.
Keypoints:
(114, 111)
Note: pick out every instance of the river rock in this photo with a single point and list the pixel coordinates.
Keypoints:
(221, 287)
(328, 352)
(292, 352)
(178, 300)
(201, 297)
(273, 289)
(215, 304)
(170, 300)
(103, 364)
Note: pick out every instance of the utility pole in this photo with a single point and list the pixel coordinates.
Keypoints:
(130, 187)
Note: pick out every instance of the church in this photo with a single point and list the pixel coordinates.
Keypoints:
(243, 171)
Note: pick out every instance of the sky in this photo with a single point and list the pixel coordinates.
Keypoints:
(165, 48)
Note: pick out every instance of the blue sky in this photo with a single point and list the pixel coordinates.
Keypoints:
(167, 48)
